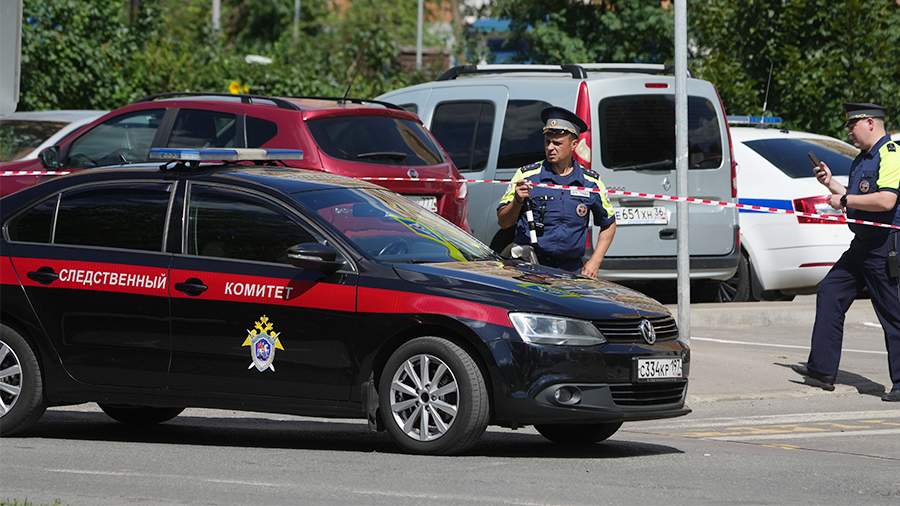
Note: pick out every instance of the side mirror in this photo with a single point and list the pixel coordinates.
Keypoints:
(313, 255)
(49, 157)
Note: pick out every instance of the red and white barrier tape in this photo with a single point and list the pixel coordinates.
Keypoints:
(653, 196)
(670, 198)
(34, 173)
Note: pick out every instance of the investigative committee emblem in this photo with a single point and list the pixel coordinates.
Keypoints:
(263, 341)
(864, 186)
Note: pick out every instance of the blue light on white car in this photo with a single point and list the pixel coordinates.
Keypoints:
(224, 154)
(755, 120)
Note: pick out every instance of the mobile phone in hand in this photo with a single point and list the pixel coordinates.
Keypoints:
(815, 162)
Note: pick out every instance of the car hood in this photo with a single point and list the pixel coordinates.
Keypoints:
(519, 286)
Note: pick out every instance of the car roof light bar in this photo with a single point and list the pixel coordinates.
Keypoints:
(223, 154)
(755, 120)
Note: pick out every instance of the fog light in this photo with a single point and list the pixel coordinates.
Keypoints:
(567, 395)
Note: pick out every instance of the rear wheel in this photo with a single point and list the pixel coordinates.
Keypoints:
(139, 415)
(21, 384)
(433, 398)
(578, 433)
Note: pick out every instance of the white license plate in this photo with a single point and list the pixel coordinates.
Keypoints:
(429, 203)
(658, 368)
(642, 215)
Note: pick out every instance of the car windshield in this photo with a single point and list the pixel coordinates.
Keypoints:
(791, 156)
(391, 228)
(18, 138)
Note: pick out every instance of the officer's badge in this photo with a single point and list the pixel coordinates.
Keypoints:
(864, 186)
(892, 147)
(263, 341)
(553, 122)
(581, 210)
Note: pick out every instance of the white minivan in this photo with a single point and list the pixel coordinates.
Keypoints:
(488, 119)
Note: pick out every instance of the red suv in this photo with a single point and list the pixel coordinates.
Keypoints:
(347, 136)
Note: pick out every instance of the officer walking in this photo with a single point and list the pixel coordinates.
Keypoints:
(561, 216)
(871, 261)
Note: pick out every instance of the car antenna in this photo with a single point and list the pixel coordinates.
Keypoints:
(352, 71)
(768, 82)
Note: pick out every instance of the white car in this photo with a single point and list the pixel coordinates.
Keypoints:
(783, 254)
(24, 134)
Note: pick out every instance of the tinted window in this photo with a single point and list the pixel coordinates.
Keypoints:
(522, 141)
(375, 139)
(18, 138)
(130, 216)
(638, 132)
(464, 129)
(231, 224)
(196, 128)
(33, 225)
(791, 155)
(123, 139)
(259, 131)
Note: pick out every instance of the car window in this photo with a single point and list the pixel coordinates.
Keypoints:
(791, 155)
(638, 132)
(125, 215)
(18, 138)
(392, 228)
(196, 128)
(232, 224)
(376, 139)
(123, 139)
(34, 224)
(522, 141)
(259, 131)
(464, 129)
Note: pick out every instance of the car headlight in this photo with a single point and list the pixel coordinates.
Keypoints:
(545, 329)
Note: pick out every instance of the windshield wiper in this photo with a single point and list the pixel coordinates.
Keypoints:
(658, 165)
(390, 155)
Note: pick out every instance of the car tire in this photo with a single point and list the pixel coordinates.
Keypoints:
(454, 391)
(139, 415)
(21, 384)
(566, 433)
(738, 288)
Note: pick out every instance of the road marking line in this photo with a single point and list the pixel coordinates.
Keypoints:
(878, 415)
(773, 345)
(167, 476)
(872, 324)
(813, 435)
(450, 497)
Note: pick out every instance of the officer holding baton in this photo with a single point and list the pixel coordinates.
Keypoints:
(560, 217)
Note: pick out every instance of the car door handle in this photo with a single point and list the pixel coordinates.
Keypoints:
(191, 286)
(44, 275)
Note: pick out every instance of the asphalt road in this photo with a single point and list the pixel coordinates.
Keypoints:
(756, 437)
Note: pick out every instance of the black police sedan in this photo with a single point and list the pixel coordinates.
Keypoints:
(151, 289)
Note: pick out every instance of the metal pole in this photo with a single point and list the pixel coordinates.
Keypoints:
(681, 169)
(420, 21)
(216, 14)
(296, 20)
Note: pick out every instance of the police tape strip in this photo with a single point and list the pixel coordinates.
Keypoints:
(34, 173)
(651, 196)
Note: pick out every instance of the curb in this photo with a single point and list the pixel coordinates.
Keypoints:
(760, 314)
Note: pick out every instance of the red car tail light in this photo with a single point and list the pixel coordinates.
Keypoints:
(583, 110)
(817, 205)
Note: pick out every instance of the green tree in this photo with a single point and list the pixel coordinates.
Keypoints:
(820, 52)
(599, 31)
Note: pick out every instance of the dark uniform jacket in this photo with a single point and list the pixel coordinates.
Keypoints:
(875, 170)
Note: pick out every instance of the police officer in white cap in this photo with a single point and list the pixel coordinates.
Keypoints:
(562, 215)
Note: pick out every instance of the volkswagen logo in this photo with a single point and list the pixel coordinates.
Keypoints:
(648, 332)
(413, 174)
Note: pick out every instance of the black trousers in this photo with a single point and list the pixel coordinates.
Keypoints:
(864, 264)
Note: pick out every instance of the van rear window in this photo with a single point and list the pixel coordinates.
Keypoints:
(376, 139)
(637, 132)
(791, 155)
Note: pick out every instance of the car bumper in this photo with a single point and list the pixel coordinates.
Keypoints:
(655, 268)
(604, 378)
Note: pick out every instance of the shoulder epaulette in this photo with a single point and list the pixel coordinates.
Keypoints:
(891, 146)
(590, 173)
(531, 166)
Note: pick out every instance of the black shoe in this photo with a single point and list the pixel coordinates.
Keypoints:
(892, 396)
(815, 379)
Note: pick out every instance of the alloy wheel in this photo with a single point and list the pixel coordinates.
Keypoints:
(10, 378)
(424, 397)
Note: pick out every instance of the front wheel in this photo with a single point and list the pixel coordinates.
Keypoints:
(578, 433)
(433, 398)
(21, 384)
(139, 415)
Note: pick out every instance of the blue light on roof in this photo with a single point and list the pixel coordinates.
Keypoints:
(224, 154)
(755, 120)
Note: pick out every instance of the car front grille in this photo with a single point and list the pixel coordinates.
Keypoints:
(629, 331)
(648, 394)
